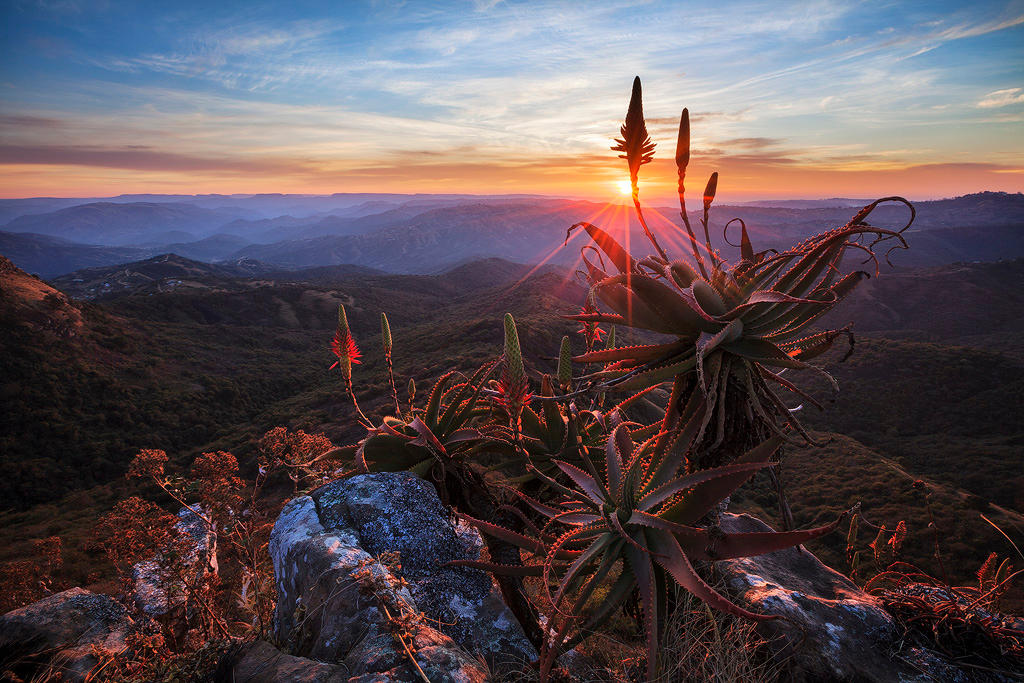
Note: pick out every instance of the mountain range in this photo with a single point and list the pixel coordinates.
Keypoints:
(430, 233)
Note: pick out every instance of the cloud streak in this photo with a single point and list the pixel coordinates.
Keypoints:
(520, 87)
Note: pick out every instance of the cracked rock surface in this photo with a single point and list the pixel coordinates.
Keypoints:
(344, 599)
(68, 634)
(829, 629)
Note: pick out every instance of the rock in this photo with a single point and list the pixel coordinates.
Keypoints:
(399, 512)
(70, 633)
(152, 583)
(830, 629)
(343, 599)
(261, 662)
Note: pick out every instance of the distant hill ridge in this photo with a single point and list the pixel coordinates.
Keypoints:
(427, 233)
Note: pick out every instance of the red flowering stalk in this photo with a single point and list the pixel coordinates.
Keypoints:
(344, 347)
(513, 388)
(590, 331)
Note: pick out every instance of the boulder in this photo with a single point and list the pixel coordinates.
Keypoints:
(71, 633)
(360, 573)
(261, 662)
(829, 629)
(154, 593)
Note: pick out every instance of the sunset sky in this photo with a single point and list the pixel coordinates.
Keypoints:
(797, 99)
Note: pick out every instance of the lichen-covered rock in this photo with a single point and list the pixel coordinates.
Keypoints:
(155, 593)
(261, 662)
(399, 512)
(342, 597)
(830, 629)
(70, 633)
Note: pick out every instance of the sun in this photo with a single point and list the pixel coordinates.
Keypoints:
(624, 187)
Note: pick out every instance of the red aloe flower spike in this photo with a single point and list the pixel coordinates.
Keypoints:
(344, 347)
(638, 150)
(590, 331)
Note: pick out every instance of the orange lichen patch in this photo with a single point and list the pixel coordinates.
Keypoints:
(27, 300)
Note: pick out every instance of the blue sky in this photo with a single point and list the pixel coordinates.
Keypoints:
(787, 99)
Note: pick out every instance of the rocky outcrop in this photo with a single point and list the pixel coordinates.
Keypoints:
(828, 628)
(155, 592)
(72, 634)
(261, 662)
(362, 581)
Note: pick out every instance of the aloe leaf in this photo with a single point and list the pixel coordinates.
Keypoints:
(691, 539)
(434, 401)
(627, 303)
(643, 571)
(640, 353)
(619, 441)
(667, 303)
(671, 557)
(500, 569)
(703, 485)
(477, 381)
(617, 594)
(643, 378)
(759, 543)
(594, 490)
(587, 556)
(761, 300)
(839, 291)
(706, 494)
(612, 249)
(426, 437)
(507, 535)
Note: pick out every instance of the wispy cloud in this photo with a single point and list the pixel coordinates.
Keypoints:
(1001, 98)
(514, 86)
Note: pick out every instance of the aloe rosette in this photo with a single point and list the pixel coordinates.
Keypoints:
(634, 526)
(738, 325)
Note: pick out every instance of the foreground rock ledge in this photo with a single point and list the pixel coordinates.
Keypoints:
(829, 630)
(67, 635)
(343, 600)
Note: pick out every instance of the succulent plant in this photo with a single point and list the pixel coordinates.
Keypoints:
(732, 327)
(634, 527)
(443, 435)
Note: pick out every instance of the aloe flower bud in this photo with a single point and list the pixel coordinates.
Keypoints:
(565, 363)
(513, 355)
(385, 331)
(710, 189)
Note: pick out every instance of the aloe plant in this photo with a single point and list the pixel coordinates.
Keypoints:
(444, 435)
(638, 519)
(731, 327)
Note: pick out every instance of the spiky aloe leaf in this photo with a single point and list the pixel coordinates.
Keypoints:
(611, 248)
